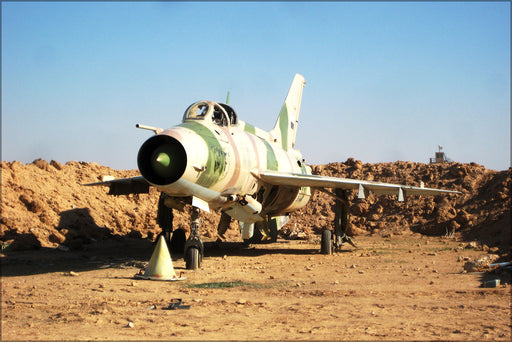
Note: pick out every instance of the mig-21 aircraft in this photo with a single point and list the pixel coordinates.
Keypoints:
(215, 161)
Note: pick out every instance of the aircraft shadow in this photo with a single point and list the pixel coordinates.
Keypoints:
(83, 246)
(219, 249)
(119, 253)
(115, 253)
(88, 246)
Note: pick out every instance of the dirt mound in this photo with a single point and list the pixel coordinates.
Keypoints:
(481, 213)
(45, 205)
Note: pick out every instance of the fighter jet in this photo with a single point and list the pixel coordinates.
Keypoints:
(215, 161)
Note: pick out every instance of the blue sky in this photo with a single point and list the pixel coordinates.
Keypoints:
(385, 81)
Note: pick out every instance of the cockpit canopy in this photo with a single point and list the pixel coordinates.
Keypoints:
(219, 113)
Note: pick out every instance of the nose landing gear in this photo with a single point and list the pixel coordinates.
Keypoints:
(194, 248)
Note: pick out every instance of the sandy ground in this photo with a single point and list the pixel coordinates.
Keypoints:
(398, 288)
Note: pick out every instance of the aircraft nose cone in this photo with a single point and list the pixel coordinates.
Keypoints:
(161, 163)
(163, 159)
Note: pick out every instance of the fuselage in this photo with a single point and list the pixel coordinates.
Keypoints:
(214, 156)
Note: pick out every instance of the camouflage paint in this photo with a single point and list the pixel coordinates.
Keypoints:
(216, 163)
(283, 127)
(250, 128)
(272, 163)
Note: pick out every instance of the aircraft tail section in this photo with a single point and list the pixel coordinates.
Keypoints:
(285, 130)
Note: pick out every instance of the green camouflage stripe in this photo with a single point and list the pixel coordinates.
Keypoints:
(272, 163)
(283, 126)
(216, 164)
(250, 129)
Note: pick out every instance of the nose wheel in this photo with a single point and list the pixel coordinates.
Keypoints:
(192, 258)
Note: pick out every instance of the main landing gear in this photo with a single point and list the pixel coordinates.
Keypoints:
(341, 221)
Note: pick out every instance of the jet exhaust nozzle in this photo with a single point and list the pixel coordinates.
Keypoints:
(162, 160)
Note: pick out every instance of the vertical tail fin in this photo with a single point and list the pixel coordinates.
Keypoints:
(285, 130)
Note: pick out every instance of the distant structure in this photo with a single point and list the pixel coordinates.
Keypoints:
(440, 157)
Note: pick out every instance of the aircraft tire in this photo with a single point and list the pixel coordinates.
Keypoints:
(192, 258)
(326, 242)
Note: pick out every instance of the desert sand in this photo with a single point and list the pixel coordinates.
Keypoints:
(69, 254)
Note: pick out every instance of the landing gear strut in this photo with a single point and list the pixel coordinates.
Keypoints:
(341, 222)
(175, 240)
(194, 248)
(223, 226)
(164, 219)
(341, 219)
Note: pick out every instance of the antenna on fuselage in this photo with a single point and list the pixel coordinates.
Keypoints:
(227, 98)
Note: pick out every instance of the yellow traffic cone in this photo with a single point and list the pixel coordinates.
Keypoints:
(160, 266)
